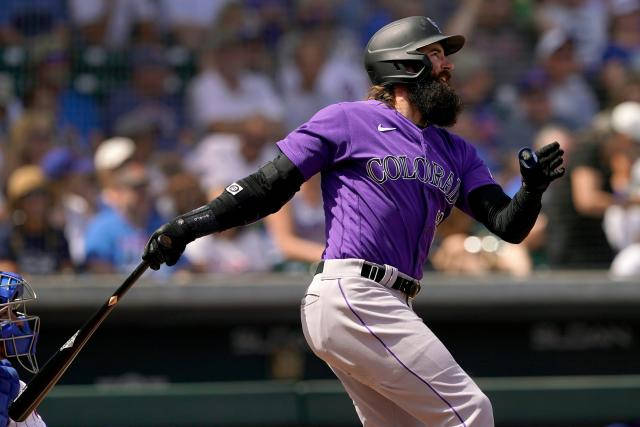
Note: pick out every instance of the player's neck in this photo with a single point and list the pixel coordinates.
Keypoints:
(406, 108)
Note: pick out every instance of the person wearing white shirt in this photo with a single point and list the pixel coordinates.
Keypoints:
(226, 97)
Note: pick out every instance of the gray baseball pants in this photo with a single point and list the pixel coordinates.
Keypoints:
(396, 371)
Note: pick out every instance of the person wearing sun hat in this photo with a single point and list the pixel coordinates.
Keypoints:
(31, 242)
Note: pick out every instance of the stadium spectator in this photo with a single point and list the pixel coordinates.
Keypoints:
(622, 218)
(572, 99)
(479, 122)
(463, 248)
(625, 29)
(557, 233)
(234, 251)
(31, 138)
(32, 242)
(314, 79)
(621, 58)
(589, 170)
(491, 27)
(225, 97)
(531, 112)
(114, 23)
(622, 227)
(10, 106)
(119, 231)
(77, 116)
(321, 17)
(220, 159)
(10, 110)
(189, 21)
(275, 19)
(570, 17)
(150, 98)
(144, 134)
(298, 228)
(110, 156)
(33, 24)
(613, 78)
(74, 186)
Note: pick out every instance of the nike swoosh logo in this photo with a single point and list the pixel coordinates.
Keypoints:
(384, 129)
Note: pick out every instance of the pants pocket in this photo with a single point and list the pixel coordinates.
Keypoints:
(309, 299)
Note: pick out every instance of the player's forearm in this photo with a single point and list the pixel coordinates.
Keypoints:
(509, 219)
(242, 202)
(247, 200)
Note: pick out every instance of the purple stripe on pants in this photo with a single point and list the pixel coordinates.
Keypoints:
(396, 357)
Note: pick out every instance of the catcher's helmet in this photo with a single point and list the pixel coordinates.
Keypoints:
(396, 45)
(18, 330)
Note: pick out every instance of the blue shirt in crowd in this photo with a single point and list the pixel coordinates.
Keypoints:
(111, 238)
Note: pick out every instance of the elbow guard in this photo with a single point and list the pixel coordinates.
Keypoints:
(258, 195)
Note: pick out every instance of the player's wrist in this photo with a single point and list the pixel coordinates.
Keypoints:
(196, 223)
(534, 188)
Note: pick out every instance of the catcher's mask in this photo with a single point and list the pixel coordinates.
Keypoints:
(18, 331)
(392, 55)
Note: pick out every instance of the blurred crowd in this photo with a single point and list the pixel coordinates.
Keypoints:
(116, 115)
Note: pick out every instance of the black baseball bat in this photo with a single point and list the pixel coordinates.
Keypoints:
(56, 366)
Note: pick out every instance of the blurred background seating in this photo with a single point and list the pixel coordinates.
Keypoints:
(183, 83)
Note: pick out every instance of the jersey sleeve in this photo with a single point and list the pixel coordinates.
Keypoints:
(318, 143)
(474, 174)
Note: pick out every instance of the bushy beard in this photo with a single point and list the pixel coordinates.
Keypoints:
(436, 101)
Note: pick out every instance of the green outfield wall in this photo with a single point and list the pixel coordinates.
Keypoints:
(569, 401)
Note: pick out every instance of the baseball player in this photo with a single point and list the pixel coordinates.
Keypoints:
(390, 174)
(18, 338)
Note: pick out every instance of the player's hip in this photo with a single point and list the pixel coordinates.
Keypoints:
(340, 310)
(344, 284)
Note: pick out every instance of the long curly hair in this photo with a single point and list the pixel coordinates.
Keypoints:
(382, 93)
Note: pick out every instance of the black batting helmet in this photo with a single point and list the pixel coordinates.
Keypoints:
(396, 45)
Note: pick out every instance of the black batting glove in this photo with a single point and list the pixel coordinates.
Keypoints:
(540, 168)
(167, 244)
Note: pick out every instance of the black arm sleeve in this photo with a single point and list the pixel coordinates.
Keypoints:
(247, 200)
(510, 219)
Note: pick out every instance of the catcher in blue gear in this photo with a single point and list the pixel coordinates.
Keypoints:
(18, 339)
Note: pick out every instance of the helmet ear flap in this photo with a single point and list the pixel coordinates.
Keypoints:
(415, 69)
(399, 71)
(418, 68)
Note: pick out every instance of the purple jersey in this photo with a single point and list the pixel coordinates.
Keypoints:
(386, 183)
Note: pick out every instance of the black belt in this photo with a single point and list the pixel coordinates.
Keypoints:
(376, 272)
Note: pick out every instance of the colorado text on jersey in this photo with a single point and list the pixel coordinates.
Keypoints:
(422, 169)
